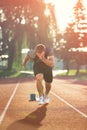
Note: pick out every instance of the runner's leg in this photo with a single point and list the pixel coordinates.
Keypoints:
(39, 79)
(48, 87)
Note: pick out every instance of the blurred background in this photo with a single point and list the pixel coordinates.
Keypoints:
(61, 25)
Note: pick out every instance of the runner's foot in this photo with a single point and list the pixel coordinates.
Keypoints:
(41, 100)
(46, 99)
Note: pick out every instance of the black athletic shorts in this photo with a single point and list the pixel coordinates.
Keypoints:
(45, 70)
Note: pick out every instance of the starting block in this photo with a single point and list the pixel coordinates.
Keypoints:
(32, 97)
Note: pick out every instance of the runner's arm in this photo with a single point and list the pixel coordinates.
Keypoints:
(25, 60)
(48, 61)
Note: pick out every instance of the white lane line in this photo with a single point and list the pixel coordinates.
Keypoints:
(7, 106)
(74, 108)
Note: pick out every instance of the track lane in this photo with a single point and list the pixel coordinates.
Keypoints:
(24, 114)
(6, 88)
(75, 94)
(8, 103)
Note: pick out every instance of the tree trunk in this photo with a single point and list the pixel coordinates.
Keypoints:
(11, 50)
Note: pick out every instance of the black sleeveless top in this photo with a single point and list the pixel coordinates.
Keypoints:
(38, 61)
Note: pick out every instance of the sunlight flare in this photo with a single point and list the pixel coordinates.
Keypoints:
(63, 11)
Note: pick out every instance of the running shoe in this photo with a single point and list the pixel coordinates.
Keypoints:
(41, 100)
(37, 98)
(46, 99)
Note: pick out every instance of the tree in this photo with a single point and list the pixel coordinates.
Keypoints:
(20, 18)
(75, 34)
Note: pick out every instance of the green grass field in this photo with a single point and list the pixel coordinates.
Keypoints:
(15, 74)
(72, 73)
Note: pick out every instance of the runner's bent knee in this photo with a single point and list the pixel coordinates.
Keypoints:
(39, 77)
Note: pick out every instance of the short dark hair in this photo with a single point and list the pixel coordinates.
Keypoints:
(40, 48)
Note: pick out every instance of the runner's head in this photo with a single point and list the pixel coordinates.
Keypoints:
(40, 48)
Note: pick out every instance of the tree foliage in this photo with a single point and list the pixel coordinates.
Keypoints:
(20, 18)
(74, 36)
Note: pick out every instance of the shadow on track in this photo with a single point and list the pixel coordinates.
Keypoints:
(31, 121)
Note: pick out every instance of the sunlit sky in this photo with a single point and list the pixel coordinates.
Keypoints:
(63, 10)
